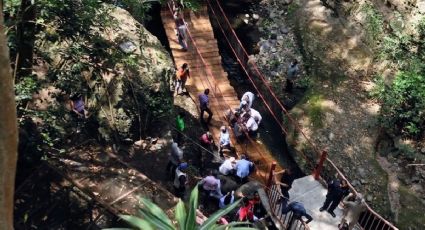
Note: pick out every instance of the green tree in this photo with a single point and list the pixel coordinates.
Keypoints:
(403, 105)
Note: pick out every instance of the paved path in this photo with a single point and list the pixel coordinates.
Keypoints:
(312, 194)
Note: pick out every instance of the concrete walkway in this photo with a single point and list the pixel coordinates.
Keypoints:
(312, 194)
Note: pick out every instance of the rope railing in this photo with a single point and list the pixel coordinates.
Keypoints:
(242, 57)
(209, 81)
(371, 218)
(276, 205)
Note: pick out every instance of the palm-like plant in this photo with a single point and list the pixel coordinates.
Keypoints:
(154, 218)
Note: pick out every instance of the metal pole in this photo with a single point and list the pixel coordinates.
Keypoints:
(318, 169)
(270, 180)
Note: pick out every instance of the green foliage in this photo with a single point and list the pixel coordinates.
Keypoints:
(24, 89)
(154, 218)
(138, 8)
(305, 81)
(379, 88)
(395, 46)
(292, 8)
(374, 24)
(315, 110)
(406, 151)
(403, 105)
(191, 4)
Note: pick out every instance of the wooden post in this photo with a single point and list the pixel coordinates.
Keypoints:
(270, 180)
(319, 167)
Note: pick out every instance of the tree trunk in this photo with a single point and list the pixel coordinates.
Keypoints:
(8, 134)
(26, 37)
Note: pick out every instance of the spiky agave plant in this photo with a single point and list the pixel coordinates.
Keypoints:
(152, 217)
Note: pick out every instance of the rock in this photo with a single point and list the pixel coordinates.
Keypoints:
(265, 46)
(274, 74)
(284, 30)
(363, 181)
(138, 143)
(362, 172)
(331, 136)
(273, 50)
(128, 47)
(246, 21)
(415, 179)
(355, 183)
(369, 198)
(246, 15)
(255, 16)
(423, 150)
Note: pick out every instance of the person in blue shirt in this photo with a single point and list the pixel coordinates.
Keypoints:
(244, 167)
(204, 105)
(298, 212)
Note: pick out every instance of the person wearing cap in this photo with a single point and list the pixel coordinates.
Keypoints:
(352, 210)
(180, 179)
(228, 166)
(248, 97)
(175, 157)
(224, 140)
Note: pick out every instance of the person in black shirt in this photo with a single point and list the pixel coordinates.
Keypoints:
(285, 181)
(337, 189)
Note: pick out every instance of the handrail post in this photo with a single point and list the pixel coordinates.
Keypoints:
(270, 180)
(318, 169)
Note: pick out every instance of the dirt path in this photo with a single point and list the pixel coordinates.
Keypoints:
(393, 186)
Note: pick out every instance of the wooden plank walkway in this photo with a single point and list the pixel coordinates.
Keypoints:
(222, 95)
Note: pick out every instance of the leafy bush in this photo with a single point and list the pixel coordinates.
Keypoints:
(155, 218)
(24, 90)
(374, 24)
(403, 105)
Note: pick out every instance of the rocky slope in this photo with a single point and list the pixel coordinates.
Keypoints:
(336, 112)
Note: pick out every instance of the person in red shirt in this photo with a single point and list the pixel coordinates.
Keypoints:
(182, 75)
(207, 142)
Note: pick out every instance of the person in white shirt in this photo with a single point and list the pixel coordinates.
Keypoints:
(224, 140)
(228, 166)
(249, 98)
(251, 126)
(256, 115)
